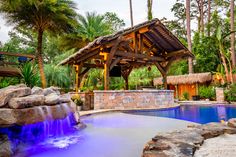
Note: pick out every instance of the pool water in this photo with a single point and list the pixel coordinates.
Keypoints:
(193, 113)
(124, 134)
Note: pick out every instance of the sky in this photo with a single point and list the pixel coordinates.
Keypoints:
(161, 8)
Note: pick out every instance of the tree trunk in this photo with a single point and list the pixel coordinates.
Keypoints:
(190, 61)
(131, 13)
(149, 6)
(232, 36)
(209, 18)
(40, 58)
(202, 17)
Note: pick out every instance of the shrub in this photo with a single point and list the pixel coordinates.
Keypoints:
(29, 74)
(230, 93)
(186, 96)
(77, 100)
(207, 92)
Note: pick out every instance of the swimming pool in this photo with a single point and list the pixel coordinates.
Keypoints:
(193, 113)
(124, 133)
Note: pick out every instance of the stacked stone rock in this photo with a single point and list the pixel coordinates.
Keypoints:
(184, 143)
(22, 105)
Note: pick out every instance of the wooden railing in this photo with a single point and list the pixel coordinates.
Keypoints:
(9, 66)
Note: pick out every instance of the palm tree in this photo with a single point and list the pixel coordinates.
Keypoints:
(131, 13)
(56, 16)
(149, 6)
(89, 27)
(92, 26)
(232, 36)
(190, 61)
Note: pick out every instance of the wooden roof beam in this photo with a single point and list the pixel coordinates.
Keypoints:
(176, 53)
(138, 56)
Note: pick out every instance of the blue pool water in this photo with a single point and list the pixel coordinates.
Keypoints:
(122, 133)
(193, 113)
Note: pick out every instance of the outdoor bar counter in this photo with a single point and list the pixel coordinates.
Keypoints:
(129, 99)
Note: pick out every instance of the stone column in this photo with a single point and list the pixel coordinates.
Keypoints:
(220, 95)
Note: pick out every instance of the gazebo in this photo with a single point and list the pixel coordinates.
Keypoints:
(149, 43)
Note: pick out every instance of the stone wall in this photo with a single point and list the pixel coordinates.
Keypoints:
(127, 99)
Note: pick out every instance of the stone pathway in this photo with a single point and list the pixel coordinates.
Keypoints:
(222, 146)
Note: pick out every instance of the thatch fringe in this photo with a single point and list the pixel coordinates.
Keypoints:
(185, 79)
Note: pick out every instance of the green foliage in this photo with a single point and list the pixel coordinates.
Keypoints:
(185, 96)
(206, 52)
(6, 81)
(178, 68)
(58, 76)
(143, 77)
(230, 93)
(114, 21)
(207, 92)
(29, 74)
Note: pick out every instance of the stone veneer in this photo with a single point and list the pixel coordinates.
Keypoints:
(127, 99)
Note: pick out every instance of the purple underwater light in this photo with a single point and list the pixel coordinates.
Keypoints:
(40, 131)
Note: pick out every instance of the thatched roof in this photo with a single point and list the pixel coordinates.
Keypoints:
(185, 79)
(156, 38)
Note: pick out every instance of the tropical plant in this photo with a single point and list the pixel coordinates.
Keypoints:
(90, 26)
(58, 76)
(55, 16)
(29, 74)
(207, 92)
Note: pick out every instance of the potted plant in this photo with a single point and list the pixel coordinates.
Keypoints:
(77, 100)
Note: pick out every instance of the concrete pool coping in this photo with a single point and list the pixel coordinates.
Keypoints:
(179, 103)
(100, 111)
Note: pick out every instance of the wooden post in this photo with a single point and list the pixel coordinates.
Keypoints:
(126, 83)
(177, 91)
(164, 80)
(163, 71)
(125, 74)
(106, 76)
(78, 69)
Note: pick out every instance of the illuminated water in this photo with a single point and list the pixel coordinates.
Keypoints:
(115, 134)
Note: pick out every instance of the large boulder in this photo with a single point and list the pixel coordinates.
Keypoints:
(11, 92)
(52, 99)
(26, 102)
(37, 91)
(5, 146)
